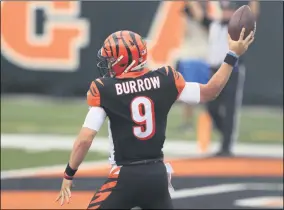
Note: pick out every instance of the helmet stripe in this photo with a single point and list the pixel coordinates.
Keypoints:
(110, 47)
(105, 50)
(139, 40)
(132, 35)
(116, 44)
(127, 49)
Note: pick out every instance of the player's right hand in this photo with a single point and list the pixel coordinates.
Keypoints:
(240, 47)
(65, 192)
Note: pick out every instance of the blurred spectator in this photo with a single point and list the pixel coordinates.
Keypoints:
(225, 109)
(192, 62)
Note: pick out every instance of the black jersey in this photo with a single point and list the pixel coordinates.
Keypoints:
(137, 105)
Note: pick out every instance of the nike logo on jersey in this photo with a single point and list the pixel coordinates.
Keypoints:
(137, 85)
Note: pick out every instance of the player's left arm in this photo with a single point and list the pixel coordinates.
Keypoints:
(92, 124)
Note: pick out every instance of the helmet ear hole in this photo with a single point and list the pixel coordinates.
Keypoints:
(122, 65)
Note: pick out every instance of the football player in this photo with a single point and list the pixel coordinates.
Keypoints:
(137, 101)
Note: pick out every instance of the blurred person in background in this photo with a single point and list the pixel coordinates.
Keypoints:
(192, 61)
(224, 111)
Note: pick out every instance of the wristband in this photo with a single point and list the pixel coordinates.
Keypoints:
(231, 58)
(233, 54)
(65, 176)
(69, 172)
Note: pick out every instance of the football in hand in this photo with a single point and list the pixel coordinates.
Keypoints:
(242, 18)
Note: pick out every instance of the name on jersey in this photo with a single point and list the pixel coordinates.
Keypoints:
(138, 85)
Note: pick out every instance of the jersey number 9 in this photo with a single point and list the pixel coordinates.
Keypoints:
(143, 115)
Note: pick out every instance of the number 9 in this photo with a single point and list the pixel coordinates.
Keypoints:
(145, 121)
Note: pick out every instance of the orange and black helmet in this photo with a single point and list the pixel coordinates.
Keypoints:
(122, 52)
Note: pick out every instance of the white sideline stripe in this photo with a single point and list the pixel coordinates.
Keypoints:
(224, 188)
(45, 170)
(260, 202)
(178, 148)
(208, 190)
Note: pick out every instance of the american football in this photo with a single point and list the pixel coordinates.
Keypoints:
(243, 17)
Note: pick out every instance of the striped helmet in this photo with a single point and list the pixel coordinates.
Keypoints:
(122, 52)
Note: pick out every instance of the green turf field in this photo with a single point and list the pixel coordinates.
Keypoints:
(66, 117)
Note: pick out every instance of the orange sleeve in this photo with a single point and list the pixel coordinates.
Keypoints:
(178, 78)
(93, 95)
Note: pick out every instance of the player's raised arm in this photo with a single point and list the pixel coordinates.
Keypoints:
(193, 93)
(215, 85)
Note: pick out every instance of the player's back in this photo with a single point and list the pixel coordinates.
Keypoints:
(137, 105)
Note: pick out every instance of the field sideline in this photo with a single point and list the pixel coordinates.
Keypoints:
(172, 147)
